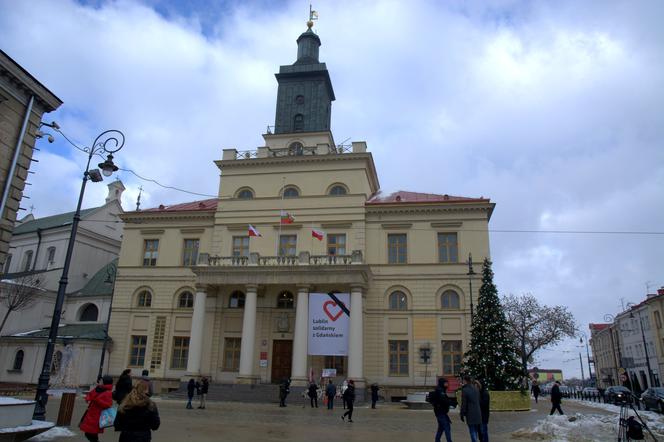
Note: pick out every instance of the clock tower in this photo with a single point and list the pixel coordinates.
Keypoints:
(305, 94)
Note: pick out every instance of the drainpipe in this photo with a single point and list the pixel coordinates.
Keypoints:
(39, 241)
(17, 152)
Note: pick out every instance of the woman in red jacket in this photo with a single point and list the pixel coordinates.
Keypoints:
(98, 400)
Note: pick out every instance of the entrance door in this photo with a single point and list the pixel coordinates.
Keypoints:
(282, 356)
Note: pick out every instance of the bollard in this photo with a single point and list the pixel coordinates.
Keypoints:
(66, 409)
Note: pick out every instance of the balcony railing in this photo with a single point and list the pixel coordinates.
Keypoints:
(303, 259)
(294, 151)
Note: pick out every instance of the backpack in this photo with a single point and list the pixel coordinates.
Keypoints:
(634, 429)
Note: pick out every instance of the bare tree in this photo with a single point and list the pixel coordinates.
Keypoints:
(18, 294)
(535, 326)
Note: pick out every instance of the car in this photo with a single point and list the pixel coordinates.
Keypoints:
(590, 391)
(617, 395)
(653, 398)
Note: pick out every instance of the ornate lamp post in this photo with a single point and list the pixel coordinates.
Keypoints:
(108, 142)
(590, 373)
(617, 361)
(110, 279)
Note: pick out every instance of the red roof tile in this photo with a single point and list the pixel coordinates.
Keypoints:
(202, 205)
(598, 327)
(415, 197)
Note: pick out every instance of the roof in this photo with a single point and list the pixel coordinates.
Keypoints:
(18, 72)
(94, 331)
(98, 285)
(50, 222)
(403, 196)
(201, 205)
(598, 327)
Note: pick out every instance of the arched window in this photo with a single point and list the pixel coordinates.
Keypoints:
(144, 299)
(186, 300)
(285, 300)
(18, 360)
(89, 313)
(295, 148)
(236, 300)
(398, 301)
(245, 194)
(57, 362)
(298, 122)
(50, 255)
(291, 192)
(27, 260)
(450, 300)
(338, 190)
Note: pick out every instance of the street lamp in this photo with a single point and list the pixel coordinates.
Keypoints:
(108, 142)
(590, 373)
(617, 362)
(645, 349)
(110, 279)
(470, 274)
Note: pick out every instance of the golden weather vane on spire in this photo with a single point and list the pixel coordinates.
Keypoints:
(313, 15)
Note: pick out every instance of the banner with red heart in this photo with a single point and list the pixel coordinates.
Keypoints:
(329, 323)
(331, 306)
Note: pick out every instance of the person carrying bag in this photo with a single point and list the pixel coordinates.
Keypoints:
(99, 399)
(137, 416)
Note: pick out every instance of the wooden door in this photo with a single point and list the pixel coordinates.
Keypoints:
(282, 356)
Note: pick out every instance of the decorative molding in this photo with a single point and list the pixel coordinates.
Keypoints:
(397, 225)
(447, 224)
(152, 231)
(239, 226)
(336, 225)
(192, 230)
(287, 226)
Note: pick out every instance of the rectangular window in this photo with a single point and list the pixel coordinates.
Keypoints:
(232, 354)
(448, 247)
(452, 356)
(398, 358)
(336, 245)
(397, 248)
(240, 246)
(8, 263)
(288, 245)
(190, 252)
(151, 250)
(180, 352)
(137, 351)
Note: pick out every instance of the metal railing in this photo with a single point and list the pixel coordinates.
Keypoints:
(233, 261)
(246, 154)
(290, 260)
(303, 258)
(330, 259)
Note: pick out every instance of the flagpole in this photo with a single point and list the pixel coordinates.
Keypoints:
(281, 210)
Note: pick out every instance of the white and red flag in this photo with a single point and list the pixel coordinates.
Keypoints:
(318, 234)
(253, 231)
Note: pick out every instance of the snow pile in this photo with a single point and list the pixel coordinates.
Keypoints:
(655, 421)
(52, 434)
(13, 401)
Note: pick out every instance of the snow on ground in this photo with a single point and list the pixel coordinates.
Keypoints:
(52, 434)
(654, 420)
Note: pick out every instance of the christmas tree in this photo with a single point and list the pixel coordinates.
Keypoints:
(491, 358)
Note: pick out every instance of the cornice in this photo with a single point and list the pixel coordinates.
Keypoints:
(152, 217)
(406, 208)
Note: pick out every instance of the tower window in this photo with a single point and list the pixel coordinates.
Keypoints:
(298, 122)
(299, 99)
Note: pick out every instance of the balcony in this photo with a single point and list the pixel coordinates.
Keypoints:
(303, 259)
(320, 149)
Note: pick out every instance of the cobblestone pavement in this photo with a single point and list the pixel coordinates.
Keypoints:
(230, 421)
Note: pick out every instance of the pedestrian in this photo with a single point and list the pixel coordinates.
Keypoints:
(137, 416)
(313, 395)
(349, 396)
(344, 387)
(204, 391)
(284, 389)
(330, 392)
(191, 388)
(471, 412)
(556, 398)
(441, 407)
(374, 395)
(536, 390)
(485, 407)
(123, 386)
(145, 377)
(98, 399)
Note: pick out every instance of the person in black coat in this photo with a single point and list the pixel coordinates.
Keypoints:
(374, 395)
(191, 388)
(330, 392)
(536, 390)
(284, 389)
(123, 386)
(349, 395)
(205, 384)
(441, 407)
(556, 398)
(313, 395)
(485, 407)
(137, 416)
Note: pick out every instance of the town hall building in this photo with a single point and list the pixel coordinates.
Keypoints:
(220, 287)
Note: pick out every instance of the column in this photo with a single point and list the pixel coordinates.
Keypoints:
(196, 337)
(356, 337)
(247, 346)
(300, 338)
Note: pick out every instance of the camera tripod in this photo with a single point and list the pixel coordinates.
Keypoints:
(623, 422)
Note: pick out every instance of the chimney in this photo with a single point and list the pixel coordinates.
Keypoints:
(115, 190)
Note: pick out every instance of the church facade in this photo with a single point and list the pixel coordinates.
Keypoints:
(220, 287)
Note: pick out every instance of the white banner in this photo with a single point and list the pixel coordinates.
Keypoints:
(328, 324)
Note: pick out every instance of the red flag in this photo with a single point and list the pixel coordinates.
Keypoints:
(286, 218)
(253, 231)
(318, 234)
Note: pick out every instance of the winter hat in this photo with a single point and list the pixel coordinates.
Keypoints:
(107, 380)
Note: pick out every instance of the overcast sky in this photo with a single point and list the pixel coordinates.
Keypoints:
(554, 110)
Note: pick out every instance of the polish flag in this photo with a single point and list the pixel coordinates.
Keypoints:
(286, 218)
(318, 234)
(253, 231)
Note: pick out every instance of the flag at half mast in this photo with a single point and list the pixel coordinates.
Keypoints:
(286, 218)
(253, 231)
